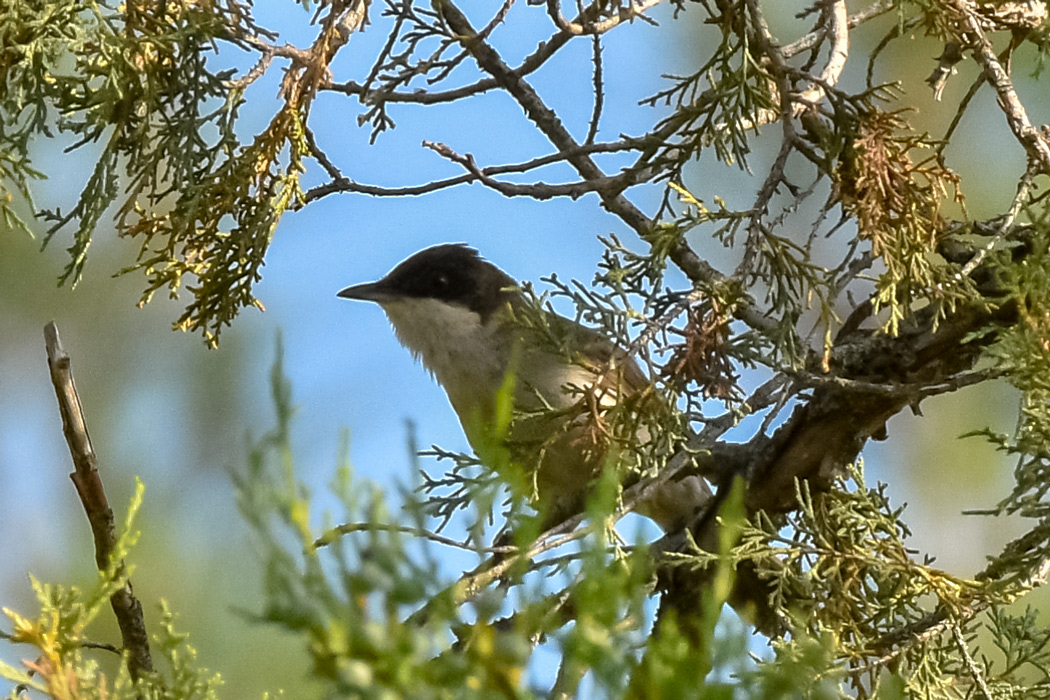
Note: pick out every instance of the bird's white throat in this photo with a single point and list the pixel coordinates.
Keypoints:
(464, 355)
(470, 359)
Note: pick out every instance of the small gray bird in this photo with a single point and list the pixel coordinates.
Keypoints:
(463, 318)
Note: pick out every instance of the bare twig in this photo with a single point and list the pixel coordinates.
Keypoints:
(257, 71)
(812, 39)
(270, 51)
(86, 478)
(540, 114)
(102, 646)
(915, 390)
(384, 53)
(331, 535)
(1024, 189)
(971, 665)
(838, 30)
(599, 91)
(321, 156)
(535, 190)
(552, 127)
(472, 583)
(964, 103)
(531, 63)
(534, 61)
(343, 184)
(634, 10)
(1035, 141)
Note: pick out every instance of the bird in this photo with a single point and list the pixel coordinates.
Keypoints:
(470, 326)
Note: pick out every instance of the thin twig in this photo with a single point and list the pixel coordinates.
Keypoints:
(941, 619)
(472, 583)
(321, 157)
(332, 534)
(532, 62)
(1024, 188)
(971, 665)
(126, 606)
(837, 29)
(1035, 142)
(946, 140)
(599, 91)
(814, 38)
(343, 184)
(545, 119)
(552, 127)
(918, 390)
(634, 10)
(535, 190)
(384, 53)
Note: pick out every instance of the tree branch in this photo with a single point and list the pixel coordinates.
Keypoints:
(1035, 141)
(545, 119)
(126, 606)
(343, 184)
(633, 11)
(536, 190)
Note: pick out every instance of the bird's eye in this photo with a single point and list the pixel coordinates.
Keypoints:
(441, 282)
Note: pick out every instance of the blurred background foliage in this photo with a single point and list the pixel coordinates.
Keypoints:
(162, 407)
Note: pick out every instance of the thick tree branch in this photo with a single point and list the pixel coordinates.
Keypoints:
(873, 377)
(828, 431)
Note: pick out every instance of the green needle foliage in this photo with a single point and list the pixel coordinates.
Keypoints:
(383, 618)
(135, 82)
(65, 658)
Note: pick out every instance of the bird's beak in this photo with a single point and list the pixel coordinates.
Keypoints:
(372, 291)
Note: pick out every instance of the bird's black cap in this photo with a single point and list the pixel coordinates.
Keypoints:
(454, 273)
